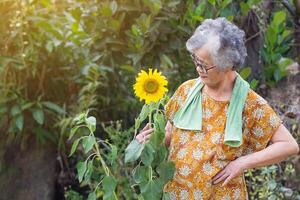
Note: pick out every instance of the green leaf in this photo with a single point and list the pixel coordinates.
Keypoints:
(152, 106)
(43, 134)
(272, 184)
(54, 107)
(277, 75)
(271, 36)
(253, 2)
(225, 3)
(14, 61)
(89, 171)
(113, 6)
(38, 115)
(279, 17)
(75, 27)
(49, 29)
(74, 147)
(128, 68)
(286, 33)
(27, 105)
(154, 5)
(160, 155)
(106, 11)
(200, 8)
(244, 8)
(137, 123)
(284, 62)
(160, 122)
(20, 122)
(79, 118)
(15, 110)
(151, 190)
(109, 185)
(148, 154)
(245, 72)
(166, 196)
(144, 113)
(113, 153)
(49, 46)
(88, 143)
(253, 84)
(76, 13)
(92, 196)
(140, 174)
(212, 2)
(73, 131)
(81, 169)
(166, 171)
(91, 122)
(133, 151)
(165, 59)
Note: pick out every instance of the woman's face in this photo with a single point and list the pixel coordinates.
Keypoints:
(213, 75)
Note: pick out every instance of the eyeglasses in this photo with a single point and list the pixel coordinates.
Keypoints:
(200, 64)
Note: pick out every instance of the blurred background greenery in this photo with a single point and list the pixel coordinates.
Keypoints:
(60, 58)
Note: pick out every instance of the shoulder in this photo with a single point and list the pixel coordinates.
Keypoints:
(259, 111)
(254, 100)
(186, 85)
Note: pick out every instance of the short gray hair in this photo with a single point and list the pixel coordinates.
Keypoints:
(226, 42)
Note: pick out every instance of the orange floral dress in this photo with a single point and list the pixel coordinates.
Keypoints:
(200, 155)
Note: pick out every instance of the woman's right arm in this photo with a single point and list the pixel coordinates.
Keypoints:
(168, 130)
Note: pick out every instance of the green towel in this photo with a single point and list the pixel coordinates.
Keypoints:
(189, 116)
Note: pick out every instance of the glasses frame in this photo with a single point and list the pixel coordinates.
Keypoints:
(204, 67)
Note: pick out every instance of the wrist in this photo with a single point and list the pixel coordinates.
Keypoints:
(245, 165)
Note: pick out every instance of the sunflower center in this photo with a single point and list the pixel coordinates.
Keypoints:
(151, 86)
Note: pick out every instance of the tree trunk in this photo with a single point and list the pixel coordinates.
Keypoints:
(28, 174)
(254, 38)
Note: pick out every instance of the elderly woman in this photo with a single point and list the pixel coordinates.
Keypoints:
(217, 126)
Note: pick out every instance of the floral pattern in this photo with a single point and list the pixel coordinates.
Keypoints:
(200, 155)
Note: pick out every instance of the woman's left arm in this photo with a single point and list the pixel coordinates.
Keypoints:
(283, 145)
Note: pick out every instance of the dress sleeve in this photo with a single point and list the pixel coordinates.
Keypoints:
(176, 101)
(265, 123)
(172, 105)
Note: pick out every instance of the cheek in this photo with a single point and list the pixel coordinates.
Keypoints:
(217, 76)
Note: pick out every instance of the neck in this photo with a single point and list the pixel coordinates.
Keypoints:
(223, 87)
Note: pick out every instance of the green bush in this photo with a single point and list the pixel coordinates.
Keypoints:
(61, 58)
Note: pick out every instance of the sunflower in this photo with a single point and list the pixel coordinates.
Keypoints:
(150, 87)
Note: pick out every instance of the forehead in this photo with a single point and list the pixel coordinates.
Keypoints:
(203, 55)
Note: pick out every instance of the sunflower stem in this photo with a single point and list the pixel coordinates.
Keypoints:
(150, 118)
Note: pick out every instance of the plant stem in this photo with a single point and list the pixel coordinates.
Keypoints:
(105, 167)
(150, 117)
(150, 173)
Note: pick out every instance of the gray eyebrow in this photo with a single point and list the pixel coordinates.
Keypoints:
(200, 59)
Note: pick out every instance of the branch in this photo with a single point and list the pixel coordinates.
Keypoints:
(289, 7)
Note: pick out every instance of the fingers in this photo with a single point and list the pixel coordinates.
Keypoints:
(146, 127)
(147, 131)
(221, 173)
(143, 138)
(144, 135)
(227, 180)
(146, 138)
(221, 177)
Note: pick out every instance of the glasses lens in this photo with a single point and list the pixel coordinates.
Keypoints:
(199, 63)
(203, 68)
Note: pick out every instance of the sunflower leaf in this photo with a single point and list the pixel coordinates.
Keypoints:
(133, 151)
(144, 113)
